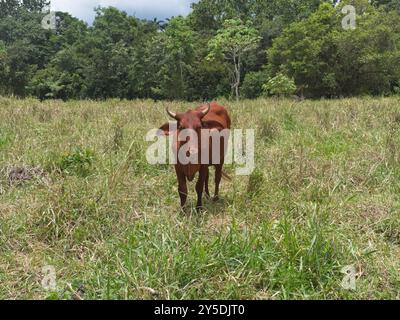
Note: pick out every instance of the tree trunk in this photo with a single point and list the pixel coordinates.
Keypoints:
(236, 77)
(237, 92)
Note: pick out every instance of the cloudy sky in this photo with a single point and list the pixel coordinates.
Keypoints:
(149, 9)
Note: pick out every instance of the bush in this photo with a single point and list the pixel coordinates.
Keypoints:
(280, 85)
(79, 162)
(253, 82)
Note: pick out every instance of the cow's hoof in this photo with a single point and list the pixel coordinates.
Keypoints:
(216, 198)
(185, 209)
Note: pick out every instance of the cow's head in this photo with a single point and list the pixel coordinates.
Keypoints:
(189, 124)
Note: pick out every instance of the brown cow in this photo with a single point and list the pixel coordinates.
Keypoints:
(209, 117)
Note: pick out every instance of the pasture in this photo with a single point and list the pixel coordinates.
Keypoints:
(77, 193)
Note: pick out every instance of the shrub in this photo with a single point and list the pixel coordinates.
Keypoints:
(280, 85)
(79, 162)
(252, 86)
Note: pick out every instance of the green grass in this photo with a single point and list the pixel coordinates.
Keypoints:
(325, 194)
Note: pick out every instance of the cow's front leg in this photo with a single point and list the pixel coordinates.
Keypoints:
(182, 186)
(200, 186)
(206, 184)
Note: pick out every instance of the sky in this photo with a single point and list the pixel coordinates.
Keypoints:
(144, 9)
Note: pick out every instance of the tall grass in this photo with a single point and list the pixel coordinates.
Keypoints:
(324, 195)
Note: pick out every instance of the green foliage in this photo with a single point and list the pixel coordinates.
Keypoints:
(218, 50)
(390, 228)
(179, 45)
(78, 162)
(256, 183)
(326, 60)
(12, 8)
(374, 52)
(387, 4)
(280, 85)
(232, 42)
(253, 82)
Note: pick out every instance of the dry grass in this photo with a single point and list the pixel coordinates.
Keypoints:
(77, 193)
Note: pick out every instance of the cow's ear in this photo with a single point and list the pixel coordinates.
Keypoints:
(166, 129)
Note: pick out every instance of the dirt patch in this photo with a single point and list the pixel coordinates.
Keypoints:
(373, 211)
(19, 175)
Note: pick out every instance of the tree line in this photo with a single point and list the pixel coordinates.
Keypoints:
(223, 48)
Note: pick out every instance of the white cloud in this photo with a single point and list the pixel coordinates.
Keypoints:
(161, 9)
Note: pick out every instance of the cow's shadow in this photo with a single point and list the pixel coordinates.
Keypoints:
(210, 207)
(215, 207)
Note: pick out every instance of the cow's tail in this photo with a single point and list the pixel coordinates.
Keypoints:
(226, 176)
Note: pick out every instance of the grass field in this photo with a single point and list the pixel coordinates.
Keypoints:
(77, 193)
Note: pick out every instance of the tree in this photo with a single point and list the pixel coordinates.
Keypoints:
(8, 8)
(370, 54)
(179, 44)
(328, 61)
(35, 5)
(109, 49)
(27, 45)
(304, 52)
(19, 69)
(270, 18)
(232, 43)
(113, 26)
(388, 4)
(209, 15)
(12, 7)
(3, 68)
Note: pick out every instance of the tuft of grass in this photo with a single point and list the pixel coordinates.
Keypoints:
(390, 228)
(256, 182)
(269, 130)
(77, 162)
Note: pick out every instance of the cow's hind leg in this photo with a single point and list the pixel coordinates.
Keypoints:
(200, 187)
(218, 178)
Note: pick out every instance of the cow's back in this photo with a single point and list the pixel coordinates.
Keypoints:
(218, 115)
(217, 118)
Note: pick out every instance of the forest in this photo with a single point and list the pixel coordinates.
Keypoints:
(231, 49)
